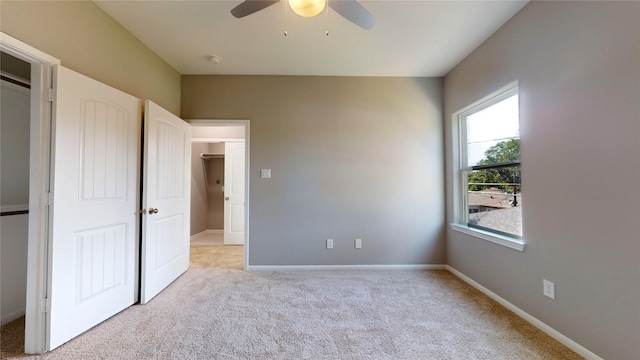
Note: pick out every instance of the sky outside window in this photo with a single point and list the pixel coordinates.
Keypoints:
(485, 128)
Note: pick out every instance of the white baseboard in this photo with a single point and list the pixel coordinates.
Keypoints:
(7, 318)
(204, 232)
(344, 267)
(581, 350)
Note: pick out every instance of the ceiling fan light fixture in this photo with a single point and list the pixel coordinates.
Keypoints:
(307, 8)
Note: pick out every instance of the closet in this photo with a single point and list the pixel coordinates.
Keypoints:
(218, 181)
(14, 199)
(207, 201)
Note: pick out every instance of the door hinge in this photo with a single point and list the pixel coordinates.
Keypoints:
(50, 94)
(45, 305)
(47, 199)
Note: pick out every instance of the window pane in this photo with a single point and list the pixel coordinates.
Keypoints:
(491, 126)
(494, 200)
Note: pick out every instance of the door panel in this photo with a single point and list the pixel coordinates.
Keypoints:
(234, 161)
(95, 169)
(166, 198)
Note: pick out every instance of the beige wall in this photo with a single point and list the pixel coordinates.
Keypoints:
(350, 158)
(578, 66)
(87, 40)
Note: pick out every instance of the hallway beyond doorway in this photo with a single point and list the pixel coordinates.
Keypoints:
(208, 250)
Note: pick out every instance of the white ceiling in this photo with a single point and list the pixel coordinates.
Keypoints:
(410, 38)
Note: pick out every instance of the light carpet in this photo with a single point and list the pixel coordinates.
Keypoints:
(213, 313)
(221, 257)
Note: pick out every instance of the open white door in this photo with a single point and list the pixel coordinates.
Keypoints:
(96, 141)
(234, 193)
(166, 199)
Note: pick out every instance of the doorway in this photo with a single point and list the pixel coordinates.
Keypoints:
(14, 200)
(37, 186)
(219, 206)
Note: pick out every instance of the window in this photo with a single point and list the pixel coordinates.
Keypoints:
(489, 168)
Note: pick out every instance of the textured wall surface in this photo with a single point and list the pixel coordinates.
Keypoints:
(350, 158)
(89, 41)
(577, 64)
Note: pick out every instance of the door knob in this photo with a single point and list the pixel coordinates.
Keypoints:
(153, 211)
(226, 198)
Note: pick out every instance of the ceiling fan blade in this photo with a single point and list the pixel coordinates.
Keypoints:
(354, 12)
(248, 7)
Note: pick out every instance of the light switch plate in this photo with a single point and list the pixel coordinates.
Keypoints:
(265, 173)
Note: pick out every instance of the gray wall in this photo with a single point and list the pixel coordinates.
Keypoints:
(87, 40)
(350, 158)
(198, 190)
(578, 66)
(14, 144)
(215, 195)
(14, 196)
(15, 67)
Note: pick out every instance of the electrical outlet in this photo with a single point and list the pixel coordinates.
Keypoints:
(549, 289)
(358, 243)
(329, 243)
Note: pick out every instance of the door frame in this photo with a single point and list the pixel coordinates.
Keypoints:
(40, 184)
(245, 123)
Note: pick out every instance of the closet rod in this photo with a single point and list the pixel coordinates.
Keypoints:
(211, 156)
(11, 213)
(204, 158)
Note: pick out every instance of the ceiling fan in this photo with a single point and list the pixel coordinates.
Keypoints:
(349, 9)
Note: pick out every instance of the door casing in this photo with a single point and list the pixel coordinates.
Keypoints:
(245, 123)
(39, 186)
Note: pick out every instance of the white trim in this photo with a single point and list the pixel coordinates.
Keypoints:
(581, 350)
(215, 140)
(495, 97)
(459, 150)
(198, 235)
(14, 46)
(42, 74)
(205, 232)
(344, 267)
(488, 236)
(7, 318)
(247, 169)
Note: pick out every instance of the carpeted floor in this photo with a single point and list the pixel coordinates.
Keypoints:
(214, 313)
(202, 255)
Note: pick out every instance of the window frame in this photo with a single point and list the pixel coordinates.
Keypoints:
(461, 169)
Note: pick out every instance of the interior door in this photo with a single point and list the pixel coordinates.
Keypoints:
(234, 193)
(166, 200)
(96, 142)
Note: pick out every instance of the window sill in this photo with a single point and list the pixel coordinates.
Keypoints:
(485, 235)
